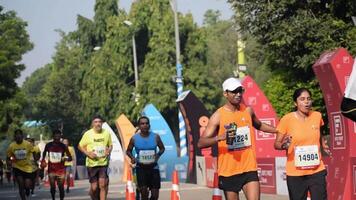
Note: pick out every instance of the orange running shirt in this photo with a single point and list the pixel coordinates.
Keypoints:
(305, 133)
(238, 161)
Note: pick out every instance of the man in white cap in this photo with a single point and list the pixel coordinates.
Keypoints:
(231, 126)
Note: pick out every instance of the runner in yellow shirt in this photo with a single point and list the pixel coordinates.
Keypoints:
(96, 144)
(37, 151)
(69, 164)
(20, 153)
(299, 134)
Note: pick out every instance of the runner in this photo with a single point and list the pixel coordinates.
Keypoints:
(7, 170)
(69, 164)
(1, 171)
(96, 144)
(19, 154)
(34, 162)
(56, 169)
(231, 126)
(305, 168)
(145, 143)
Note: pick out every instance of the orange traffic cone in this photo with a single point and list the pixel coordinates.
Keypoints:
(130, 194)
(175, 186)
(71, 180)
(46, 181)
(216, 190)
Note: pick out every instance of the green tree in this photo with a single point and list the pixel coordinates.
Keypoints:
(292, 35)
(211, 17)
(32, 88)
(108, 81)
(58, 103)
(14, 42)
(295, 33)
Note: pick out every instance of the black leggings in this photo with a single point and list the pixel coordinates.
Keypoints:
(298, 186)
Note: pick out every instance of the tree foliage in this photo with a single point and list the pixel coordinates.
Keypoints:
(14, 42)
(81, 82)
(292, 35)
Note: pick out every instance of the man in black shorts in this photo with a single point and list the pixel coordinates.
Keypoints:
(96, 144)
(145, 143)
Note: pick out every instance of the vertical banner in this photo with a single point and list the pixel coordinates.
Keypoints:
(267, 174)
(201, 170)
(169, 161)
(196, 119)
(255, 98)
(281, 176)
(333, 69)
(126, 131)
(116, 163)
(211, 167)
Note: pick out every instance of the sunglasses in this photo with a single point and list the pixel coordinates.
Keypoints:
(240, 90)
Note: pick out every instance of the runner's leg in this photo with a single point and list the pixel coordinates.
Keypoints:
(21, 184)
(230, 195)
(52, 183)
(60, 183)
(252, 190)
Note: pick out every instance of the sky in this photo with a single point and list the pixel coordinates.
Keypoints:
(45, 16)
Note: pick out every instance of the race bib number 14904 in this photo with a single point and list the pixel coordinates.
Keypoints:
(307, 156)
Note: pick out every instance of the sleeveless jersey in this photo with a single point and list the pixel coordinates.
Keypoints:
(240, 157)
(146, 148)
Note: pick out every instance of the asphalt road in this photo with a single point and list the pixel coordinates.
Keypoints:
(117, 192)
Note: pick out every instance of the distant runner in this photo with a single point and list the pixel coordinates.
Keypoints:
(19, 154)
(55, 151)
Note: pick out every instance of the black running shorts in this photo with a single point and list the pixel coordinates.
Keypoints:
(236, 182)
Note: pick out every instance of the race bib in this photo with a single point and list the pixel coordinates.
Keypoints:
(100, 151)
(306, 156)
(147, 156)
(242, 139)
(20, 154)
(55, 157)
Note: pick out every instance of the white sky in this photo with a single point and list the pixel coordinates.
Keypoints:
(44, 16)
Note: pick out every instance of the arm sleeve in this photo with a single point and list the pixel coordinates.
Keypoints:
(109, 140)
(84, 140)
(9, 151)
(282, 126)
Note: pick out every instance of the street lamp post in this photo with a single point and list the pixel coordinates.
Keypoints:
(179, 81)
(128, 23)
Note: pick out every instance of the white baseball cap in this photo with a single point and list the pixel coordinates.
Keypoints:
(231, 84)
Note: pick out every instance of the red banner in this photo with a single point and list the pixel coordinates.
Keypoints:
(267, 174)
(255, 98)
(333, 69)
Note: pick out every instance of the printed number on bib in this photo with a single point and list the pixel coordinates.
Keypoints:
(55, 157)
(242, 139)
(147, 156)
(306, 156)
(100, 151)
(20, 154)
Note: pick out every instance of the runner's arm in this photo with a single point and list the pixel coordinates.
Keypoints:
(108, 150)
(44, 154)
(210, 136)
(129, 150)
(83, 149)
(160, 146)
(68, 154)
(257, 124)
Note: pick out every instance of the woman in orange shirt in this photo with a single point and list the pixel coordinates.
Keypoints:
(305, 168)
